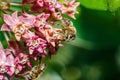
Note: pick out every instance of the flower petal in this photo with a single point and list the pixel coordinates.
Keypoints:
(5, 27)
(29, 64)
(11, 71)
(31, 50)
(40, 50)
(1, 76)
(20, 67)
(8, 20)
(15, 17)
(17, 36)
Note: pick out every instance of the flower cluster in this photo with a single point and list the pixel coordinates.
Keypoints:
(35, 36)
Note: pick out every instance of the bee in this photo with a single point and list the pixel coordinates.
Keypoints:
(35, 72)
(68, 30)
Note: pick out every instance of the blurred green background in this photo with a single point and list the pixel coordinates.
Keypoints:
(95, 54)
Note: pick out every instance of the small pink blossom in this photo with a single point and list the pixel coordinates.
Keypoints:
(52, 5)
(52, 35)
(6, 63)
(41, 23)
(38, 5)
(41, 20)
(21, 60)
(70, 8)
(49, 5)
(37, 44)
(19, 25)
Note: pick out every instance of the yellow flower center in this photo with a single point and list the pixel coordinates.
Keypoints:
(35, 43)
(24, 60)
(21, 29)
(2, 69)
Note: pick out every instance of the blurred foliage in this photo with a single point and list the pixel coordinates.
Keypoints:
(95, 54)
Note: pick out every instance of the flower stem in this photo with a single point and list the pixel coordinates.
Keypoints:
(1, 46)
(6, 37)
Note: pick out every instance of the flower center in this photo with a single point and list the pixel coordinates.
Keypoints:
(2, 69)
(35, 43)
(24, 60)
(20, 29)
(41, 21)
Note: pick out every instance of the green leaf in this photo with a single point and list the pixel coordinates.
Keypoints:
(94, 4)
(97, 29)
(16, 8)
(111, 5)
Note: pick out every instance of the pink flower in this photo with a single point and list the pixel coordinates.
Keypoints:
(27, 18)
(52, 35)
(41, 24)
(19, 25)
(37, 44)
(52, 5)
(41, 20)
(49, 5)
(6, 63)
(37, 5)
(21, 60)
(70, 8)
(53, 38)
(40, 3)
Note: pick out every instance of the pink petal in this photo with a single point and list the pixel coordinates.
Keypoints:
(21, 55)
(10, 59)
(20, 67)
(5, 27)
(27, 19)
(40, 3)
(31, 50)
(11, 71)
(2, 56)
(37, 24)
(1, 76)
(28, 35)
(58, 5)
(53, 44)
(46, 16)
(18, 37)
(71, 15)
(40, 50)
(8, 20)
(16, 60)
(15, 17)
(52, 8)
(29, 64)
